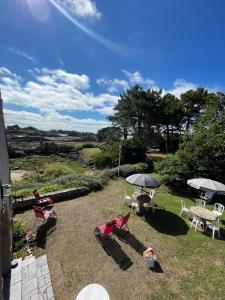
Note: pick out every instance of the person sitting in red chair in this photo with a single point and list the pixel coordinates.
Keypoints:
(42, 201)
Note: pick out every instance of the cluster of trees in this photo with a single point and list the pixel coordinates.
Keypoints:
(191, 126)
(202, 153)
(156, 118)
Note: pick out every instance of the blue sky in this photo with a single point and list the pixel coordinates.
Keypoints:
(63, 63)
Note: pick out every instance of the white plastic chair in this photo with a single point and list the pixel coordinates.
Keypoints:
(214, 226)
(126, 197)
(137, 189)
(196, 220)
(152, 193)
(184, 208)
(200, 202)
(218, 209)
(207, 196)
(135, 206)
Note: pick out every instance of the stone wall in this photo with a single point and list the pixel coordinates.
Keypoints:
(63, 195)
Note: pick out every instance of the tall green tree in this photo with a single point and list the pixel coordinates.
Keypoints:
(109, 134)
(193, 102)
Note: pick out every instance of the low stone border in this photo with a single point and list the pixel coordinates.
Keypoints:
(58, 196)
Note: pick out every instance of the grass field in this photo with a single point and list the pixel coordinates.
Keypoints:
(30, 163)
(90, 152)
(192, 264)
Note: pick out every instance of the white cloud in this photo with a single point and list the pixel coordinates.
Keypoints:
(53, 91)
(180, 86)
(22, 54)
(81, 8)
(136, 78)
(113, 86)
(117, 85)
(52, 121)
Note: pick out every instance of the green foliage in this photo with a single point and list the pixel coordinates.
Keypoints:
(104, 160)
(19, 235)
(72, 181)
(126, 170)
(47, 148)
(89, 145)
(109, 134)
(57, 169)
(133, 151)
(22, 192)
(172, 172)
(152, 117)
(50, 188)
(202, 152)
(90, 152)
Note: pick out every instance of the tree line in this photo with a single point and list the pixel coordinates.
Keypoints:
(155, 118)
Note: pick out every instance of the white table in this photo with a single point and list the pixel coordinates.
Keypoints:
(93, 292)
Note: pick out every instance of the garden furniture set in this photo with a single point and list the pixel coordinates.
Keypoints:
(203, 216)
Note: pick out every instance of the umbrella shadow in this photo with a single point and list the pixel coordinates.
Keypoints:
(113, 249)
(167, 222)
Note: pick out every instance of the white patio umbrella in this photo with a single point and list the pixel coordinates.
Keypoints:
(143, 180)
(207, 185)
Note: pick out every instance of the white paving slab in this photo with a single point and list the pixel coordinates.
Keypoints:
(31, 280)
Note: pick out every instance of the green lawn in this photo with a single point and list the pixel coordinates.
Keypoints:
(198, 259)
(90, 152)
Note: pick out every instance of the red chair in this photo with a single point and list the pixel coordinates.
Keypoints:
(107, 228)
(121, 221)
(41, 201)
(43, 215)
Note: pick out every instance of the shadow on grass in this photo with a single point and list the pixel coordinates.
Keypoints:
(133, 242)
(167, 222)
(113, 249)
(43, 231)
(157, 268)
(130, 239)
(208, 232)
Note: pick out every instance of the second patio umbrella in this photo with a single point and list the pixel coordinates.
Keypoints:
(207, 185)
(143, 180)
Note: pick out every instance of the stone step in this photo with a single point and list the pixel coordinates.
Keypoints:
(16, 281)
(43, 278)
(30, 280)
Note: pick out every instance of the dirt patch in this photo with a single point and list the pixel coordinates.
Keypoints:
(18, 175)
(158, 156)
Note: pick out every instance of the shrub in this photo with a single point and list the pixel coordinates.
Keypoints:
(172, 171)
(78, 148)
(71, 181)
(89, 145)
(19, 235)
(22, 193)
(126, 170)
(133, 151)
(104, 160)
(57, 169)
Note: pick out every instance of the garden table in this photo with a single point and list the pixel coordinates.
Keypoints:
(203, 213)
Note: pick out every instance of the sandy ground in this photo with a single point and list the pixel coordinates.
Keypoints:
(18, 175)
